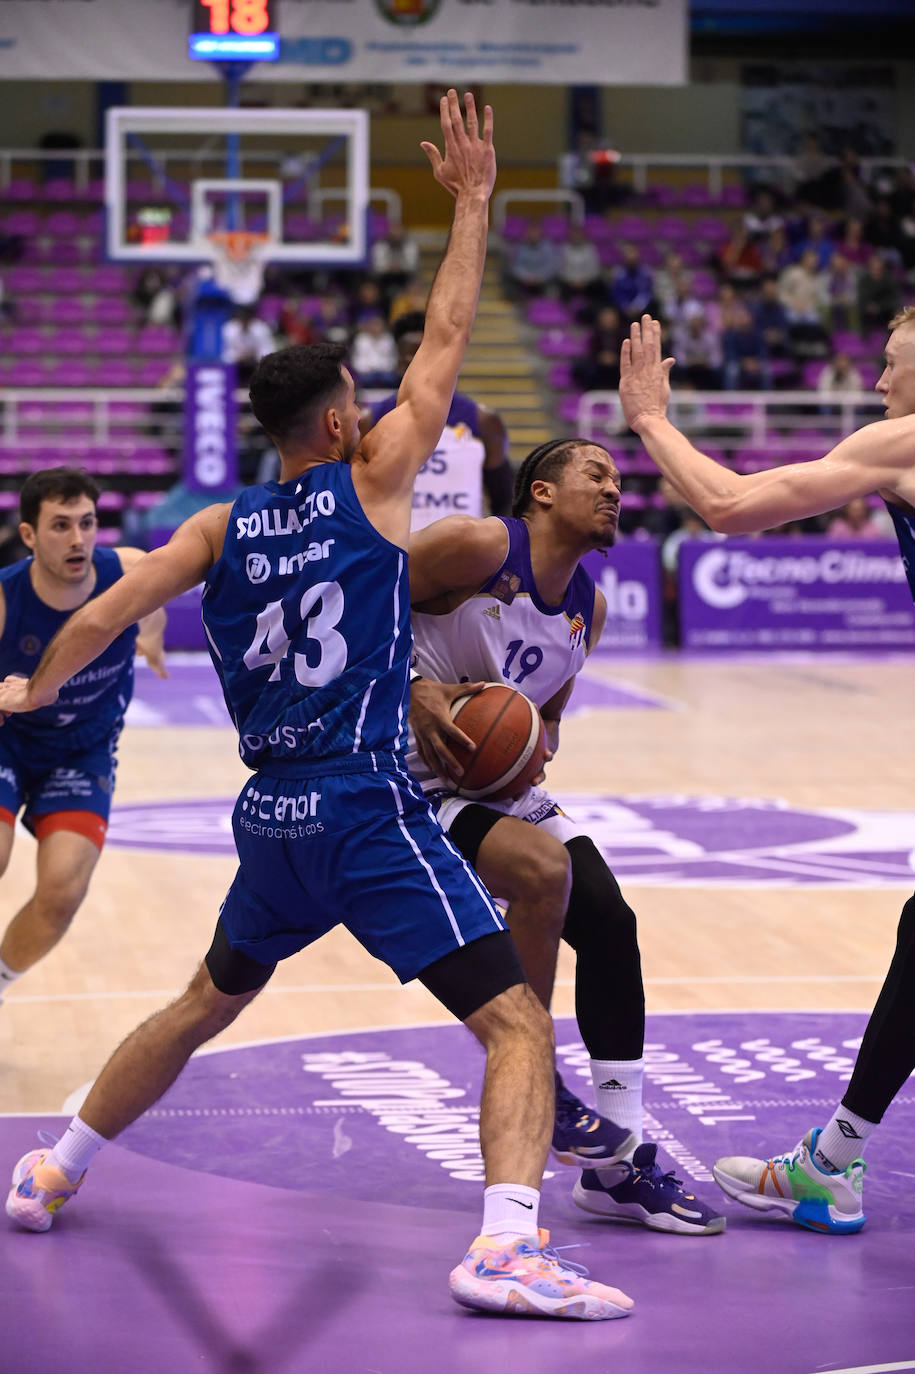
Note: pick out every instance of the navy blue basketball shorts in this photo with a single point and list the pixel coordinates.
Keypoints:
(59, 790)
(358, 849)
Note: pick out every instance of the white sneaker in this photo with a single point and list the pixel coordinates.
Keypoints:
(796, 1185)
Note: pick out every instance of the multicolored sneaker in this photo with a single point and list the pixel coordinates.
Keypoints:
(640, 1192)
(796, 1185)
(528, 1279)
(582, 1137)
(38, 1191)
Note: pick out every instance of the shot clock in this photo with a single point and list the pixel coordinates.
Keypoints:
(234, 30)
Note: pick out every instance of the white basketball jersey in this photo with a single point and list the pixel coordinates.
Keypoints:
(505, 633)
(450, 482)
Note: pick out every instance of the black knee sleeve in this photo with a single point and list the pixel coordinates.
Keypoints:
(601, 928)
(232, 972)
(887, 1054)
(469, 977)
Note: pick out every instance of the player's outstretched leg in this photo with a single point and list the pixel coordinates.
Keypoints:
(796, 1185)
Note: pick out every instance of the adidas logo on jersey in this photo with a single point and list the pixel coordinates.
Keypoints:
(494, 612)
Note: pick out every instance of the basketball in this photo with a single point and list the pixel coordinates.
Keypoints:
(510, 740)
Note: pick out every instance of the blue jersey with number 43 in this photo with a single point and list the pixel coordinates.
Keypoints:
(307, 614)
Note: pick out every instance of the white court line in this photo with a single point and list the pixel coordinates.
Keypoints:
(775, 978)
(872, 1368)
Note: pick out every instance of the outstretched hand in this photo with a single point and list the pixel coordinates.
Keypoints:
(644, 376)
(469, 163)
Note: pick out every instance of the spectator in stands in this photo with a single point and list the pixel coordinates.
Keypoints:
(409, 301)
(665, 282)
(740, 260)
(532, 266)
(879, 297)
(589, 168)
(814, 171)
(858, 520)
(599, 368)
(762, 219)
(156, 297)
(296, 324)
(842, 290)
(696, 345)
(839, 375)
(854, 196)
(802, 289)
(245, 340)
(373, 353)
(902, 200)
(366, 300)
(683, 301)
(882, 230)
(8, 307)
(852, 245)
(632, 285)
(395, 260)
(817, 240)
(579, 268)
(771, 319)
(776, 252)
(744, 352)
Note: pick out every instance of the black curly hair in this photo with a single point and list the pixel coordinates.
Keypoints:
(544, 464)
(290, 386)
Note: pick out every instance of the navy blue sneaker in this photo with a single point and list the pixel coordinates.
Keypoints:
(582, 1137)
(640, 1192)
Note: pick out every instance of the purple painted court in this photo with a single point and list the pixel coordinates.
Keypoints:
(297, 1205)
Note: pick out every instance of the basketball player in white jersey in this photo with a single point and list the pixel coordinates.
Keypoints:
(471, 457)
(819, 1183)
(508, 600)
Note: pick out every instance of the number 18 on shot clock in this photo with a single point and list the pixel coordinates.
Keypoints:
(234, 30)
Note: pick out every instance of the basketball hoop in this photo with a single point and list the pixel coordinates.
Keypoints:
(238, 262)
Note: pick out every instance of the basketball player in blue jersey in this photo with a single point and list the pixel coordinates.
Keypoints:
(818, 1184)
(57, 764)
(508, 600)
(307, 612)
(469, 460)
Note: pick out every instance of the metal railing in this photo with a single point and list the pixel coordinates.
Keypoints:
(796, 420)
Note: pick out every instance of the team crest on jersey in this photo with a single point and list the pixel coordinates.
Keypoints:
(30, 645)
(576, 630)
(506, 588)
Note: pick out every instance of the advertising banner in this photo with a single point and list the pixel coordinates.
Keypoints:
(550, 42)
(210, 460)
(630, 578)
(806, 593)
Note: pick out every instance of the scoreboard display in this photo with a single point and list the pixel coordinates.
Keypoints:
(234, 30)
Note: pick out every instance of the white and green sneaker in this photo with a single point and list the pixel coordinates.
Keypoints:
(796, 1185)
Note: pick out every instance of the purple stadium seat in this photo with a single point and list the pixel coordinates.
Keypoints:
(555, 228)
(62, 222)
(157, 339)
(660, 195)
(560, 343)
(674, 228)
(20, 188)
(27, 341)
(811, 371)
(734, 197)
(28, 372)
(546, 311)
(109, 535)
(23, 279)
(145, 500)
(696, 196)
(58, 189)
(72, 372)
(109, 277)
(109, 310)
(513, 227)
(118, 372)
(65, 280)
(560, 375)
(23, 222)
(66, 310)
(149, 371)
(567, 409)
(111, 339)
(634, 227)
(597, 228)
(716, 231)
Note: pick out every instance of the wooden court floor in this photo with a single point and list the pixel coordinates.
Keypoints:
(815, 732)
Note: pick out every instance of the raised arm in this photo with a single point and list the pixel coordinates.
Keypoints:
(875, 458)
(144, 588)
(393, 451)
(454, 556)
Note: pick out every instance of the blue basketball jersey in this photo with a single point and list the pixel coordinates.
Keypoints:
(905, 533)
(307, 614)
(91, 704)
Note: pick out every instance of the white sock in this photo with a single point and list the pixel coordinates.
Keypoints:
(510, 1211)
(77, 1146)
(8, 976)
(842, 1140)
(618, 1091)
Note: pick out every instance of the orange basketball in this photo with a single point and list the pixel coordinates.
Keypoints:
(510, 742)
